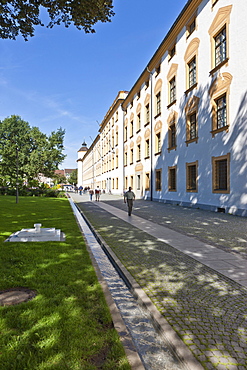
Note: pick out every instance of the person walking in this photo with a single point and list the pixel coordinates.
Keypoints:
(97, 193)
(129, 196)
(91, 193)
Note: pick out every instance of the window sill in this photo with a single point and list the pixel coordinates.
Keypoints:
(172, 103)
(221, 191)
(157, 115)
(191, 88)
(218, 66)
(147, 157)
(138, 160)
(147, 123)
(224, 128)
(172, 148)
(191, 190)
(191, 141)
(157, 153)
(173, 190)
(138, 130)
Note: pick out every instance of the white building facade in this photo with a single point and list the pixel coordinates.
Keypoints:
(183, 132)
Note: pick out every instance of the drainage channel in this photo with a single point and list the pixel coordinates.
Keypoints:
(154, 352)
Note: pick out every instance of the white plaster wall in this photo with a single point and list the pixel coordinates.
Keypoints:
(234, 141)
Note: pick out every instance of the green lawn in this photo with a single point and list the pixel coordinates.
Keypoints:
(68, 324)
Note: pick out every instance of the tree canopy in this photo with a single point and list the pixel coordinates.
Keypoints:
(21, 16)
(25, 151)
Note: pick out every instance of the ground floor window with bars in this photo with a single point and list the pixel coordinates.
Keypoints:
(172, 178)
(191, 176)
(147, 181)
(158, 180)
(221, 177)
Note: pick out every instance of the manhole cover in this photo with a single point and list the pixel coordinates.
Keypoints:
(13, 296)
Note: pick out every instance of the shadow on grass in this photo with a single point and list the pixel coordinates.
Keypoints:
(68, 324)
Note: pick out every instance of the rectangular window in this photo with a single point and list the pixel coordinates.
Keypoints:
(157, 70)
(132, 181)
(126, 182)
(138, 123)
(131, 128)
(192, 72)
(172, 136)
(221, 171)
(138, 179)
(221, 112)
(158, 180)
(131, 156)
(147, 114)
(117, 183)
(125, 133)
(220, 47)
(172, 179)
(193, 127)
(116, 161)
(191, 177)
(157, 143)
(147, 149)
(172, 52)
(125, 158)
(191, 27)
(138, 152)
(116, 137)
(172, 89)
(147, 181)
(158, 104)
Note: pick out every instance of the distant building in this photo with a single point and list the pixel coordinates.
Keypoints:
(66, 172)
(180, 134)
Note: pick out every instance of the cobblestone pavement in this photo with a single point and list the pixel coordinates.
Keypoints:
(206, 309)
(225, 231)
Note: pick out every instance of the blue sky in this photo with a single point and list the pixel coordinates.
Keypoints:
(66, 78)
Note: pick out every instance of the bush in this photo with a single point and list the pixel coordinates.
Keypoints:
(33, 192)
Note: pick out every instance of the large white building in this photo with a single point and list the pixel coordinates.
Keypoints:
(179, 135)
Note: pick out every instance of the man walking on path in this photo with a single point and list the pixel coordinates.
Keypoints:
(97, 194)
(130, 196)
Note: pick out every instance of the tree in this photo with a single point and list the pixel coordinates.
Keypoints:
(25, 151)
(73, 177)
(21, 16)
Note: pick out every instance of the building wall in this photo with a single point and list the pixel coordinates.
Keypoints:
(189, 168)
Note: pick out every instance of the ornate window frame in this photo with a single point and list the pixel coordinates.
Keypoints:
(190, 109)
(189, 188)
(172, 123)
(171, 179)
(191, 54)
(170, 77)
(220, 87)
(157, 93)
(215, 174)
(221, 21)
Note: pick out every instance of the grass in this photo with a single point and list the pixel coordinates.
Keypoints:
(68, 324)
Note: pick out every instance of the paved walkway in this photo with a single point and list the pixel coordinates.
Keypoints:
(199, 287)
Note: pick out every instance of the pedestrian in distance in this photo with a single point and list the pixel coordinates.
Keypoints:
(91, 193)
(129, 197)
(80, 190)
(97, 194)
